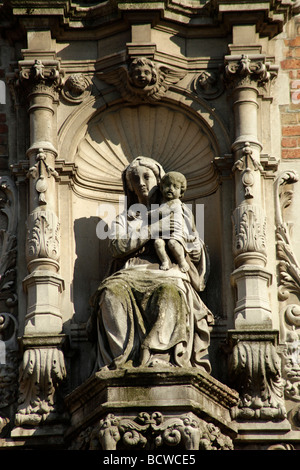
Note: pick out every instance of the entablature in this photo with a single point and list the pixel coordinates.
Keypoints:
(200, 17)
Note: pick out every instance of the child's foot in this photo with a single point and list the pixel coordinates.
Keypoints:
(165, 265)
(184, 266)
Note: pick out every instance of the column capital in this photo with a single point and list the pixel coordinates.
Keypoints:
(252, 70)
(41, 76)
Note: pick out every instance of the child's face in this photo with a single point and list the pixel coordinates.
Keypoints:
(171, 188)
(141, 75)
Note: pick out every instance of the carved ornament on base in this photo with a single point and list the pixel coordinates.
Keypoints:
(152, 431)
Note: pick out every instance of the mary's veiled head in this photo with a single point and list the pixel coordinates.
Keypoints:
(141, 180)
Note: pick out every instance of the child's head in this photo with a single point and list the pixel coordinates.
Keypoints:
(173, 185)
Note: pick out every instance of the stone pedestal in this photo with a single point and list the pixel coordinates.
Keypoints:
(149, 409)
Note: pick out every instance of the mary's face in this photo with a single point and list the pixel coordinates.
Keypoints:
(143, 182)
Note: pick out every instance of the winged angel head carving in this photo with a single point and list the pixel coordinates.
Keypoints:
(142, 80)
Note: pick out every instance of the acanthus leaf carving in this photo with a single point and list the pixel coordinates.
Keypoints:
(143, 80)
(255, 371)
(288, 286)
(43, 235)
(291, 366)
(41, 373)
(249, 223)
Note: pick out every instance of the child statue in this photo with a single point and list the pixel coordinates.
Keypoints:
(180, 222)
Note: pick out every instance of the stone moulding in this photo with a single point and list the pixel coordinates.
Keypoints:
(270, 16)
(169, 392)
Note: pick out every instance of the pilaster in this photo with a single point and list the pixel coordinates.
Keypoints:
(42, 369)
(254, 364)
(246, 75)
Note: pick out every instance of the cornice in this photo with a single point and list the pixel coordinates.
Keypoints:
(269, 16)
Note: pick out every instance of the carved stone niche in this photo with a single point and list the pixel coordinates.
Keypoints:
(178, 139)
(151, 409)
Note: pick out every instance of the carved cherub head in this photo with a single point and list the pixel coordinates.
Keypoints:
(142, 72)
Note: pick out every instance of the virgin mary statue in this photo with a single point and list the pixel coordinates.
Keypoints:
(143, 316)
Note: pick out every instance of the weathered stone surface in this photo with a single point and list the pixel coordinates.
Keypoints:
(207, 89)
(172, 393)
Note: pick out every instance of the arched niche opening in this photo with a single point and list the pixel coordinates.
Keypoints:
(171, 136)
(176, 137)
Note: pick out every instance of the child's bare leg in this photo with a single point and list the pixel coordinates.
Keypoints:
(177, 251)
(160, 248)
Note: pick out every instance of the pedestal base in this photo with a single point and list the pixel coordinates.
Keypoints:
(150, 408)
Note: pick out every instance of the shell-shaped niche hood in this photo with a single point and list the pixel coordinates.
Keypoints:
(115, 137)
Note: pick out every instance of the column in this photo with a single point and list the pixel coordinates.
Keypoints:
(250, 277)
(43, 368)
(254, 365)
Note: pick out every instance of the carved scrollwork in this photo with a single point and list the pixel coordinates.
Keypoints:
(288, 286)
(8, 241)
(282, 446)
(150, 431)
(291, 366)
(289, 269)
(143, 80)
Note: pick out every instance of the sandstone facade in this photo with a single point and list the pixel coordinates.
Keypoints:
(223, 109)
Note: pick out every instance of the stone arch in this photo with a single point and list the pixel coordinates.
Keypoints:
(88, 140)
(185, 136)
